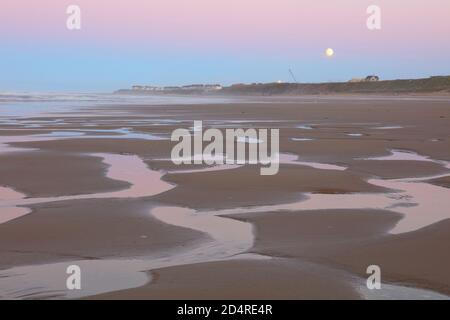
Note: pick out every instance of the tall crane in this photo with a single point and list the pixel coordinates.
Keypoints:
(293, 76)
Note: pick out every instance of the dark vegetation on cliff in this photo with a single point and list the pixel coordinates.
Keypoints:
(439, 84)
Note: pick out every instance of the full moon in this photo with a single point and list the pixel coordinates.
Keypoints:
(329, 52)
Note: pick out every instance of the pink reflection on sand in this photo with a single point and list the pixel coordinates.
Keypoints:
(421, 202)
(404, 155)
(8, 213)
(221, 167)
(144, 183)
(10, 194)
(431, 203)
(61, 134)
(11, 213)
(286, 158)
(230, 237)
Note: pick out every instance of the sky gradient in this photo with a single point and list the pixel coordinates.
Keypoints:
(165, 42)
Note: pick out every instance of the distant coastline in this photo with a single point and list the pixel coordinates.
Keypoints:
(435, 84)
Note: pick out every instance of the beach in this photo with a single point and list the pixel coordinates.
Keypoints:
(363, 180)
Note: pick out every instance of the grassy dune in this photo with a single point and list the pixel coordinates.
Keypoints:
(428, 85)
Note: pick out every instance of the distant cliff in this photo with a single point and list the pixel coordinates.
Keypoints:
(439, 84)
(428, 85)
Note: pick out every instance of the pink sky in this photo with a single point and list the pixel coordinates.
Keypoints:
(182, 41)
(232, 24)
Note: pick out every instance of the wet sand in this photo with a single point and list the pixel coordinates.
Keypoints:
(44, 174)
(354, 239)
(314, 253)
(240, 279)
(88, 229)
(254, 189)
(443, 182)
